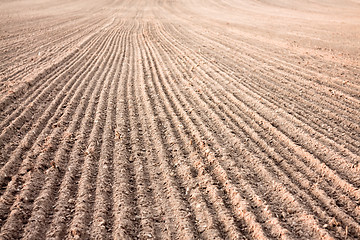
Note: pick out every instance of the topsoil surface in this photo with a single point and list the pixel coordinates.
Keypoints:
(180, 119)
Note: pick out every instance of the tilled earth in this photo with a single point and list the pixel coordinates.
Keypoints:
(180, 119)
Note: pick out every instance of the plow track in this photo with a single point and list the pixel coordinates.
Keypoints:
(179, 120)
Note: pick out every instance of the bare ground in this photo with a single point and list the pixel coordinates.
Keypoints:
(180, 119)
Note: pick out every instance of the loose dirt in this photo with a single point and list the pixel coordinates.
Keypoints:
(179, 119)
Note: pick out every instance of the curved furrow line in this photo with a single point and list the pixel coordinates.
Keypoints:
(329, 130)
(318, 152)
(29, 57)
(132, 213)
(248, 215)
(25, 115)
(157, 186)
(59, 34)
(282, 232)
(321, 206)
(274, 119)
(235, 93)
(203, 218)
(265, 76)
(68, 189)
(277, 90)
(32, 186)
(145, 95)
(40, 104)
(181, 217)
(84, 205)
(43, 150)
(103, 218)
(50, 191)
(42, 83)
(11, 165)
(121, 188)
(286, 63)
(143, 195)
(225, 219)
(223, 174)
(299, 107)
(213, 94)
(299, 110)
(301, 184)
(35, 78)
(16, 40)
(195, 197)
(265, 146)
(43, 86)
(39, 24)
(126, 221)
(228, 137)
(165, 120)
(34, 62)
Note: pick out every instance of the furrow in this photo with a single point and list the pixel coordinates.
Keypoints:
(248, 216)
(181, 217)
(12, 164)
(265, 75)
(43, 146)
(270, 85)
(49, 46)
(143, 191)
(68, 189)
(193, 187)
(50, 191)
(125, 208)
(180, 119)
(103, 219)
(246, 137)
(32, 104)
(318, 153)
(42, 83)
(32, 186)
(286, 63)
(37, 75)
(206, 223)
(84, 206)
(220, 101)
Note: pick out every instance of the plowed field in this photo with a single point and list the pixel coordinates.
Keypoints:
(180, 119)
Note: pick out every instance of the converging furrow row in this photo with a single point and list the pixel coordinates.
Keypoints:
(152, 128)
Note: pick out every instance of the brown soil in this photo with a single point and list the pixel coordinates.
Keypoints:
(180, 119)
